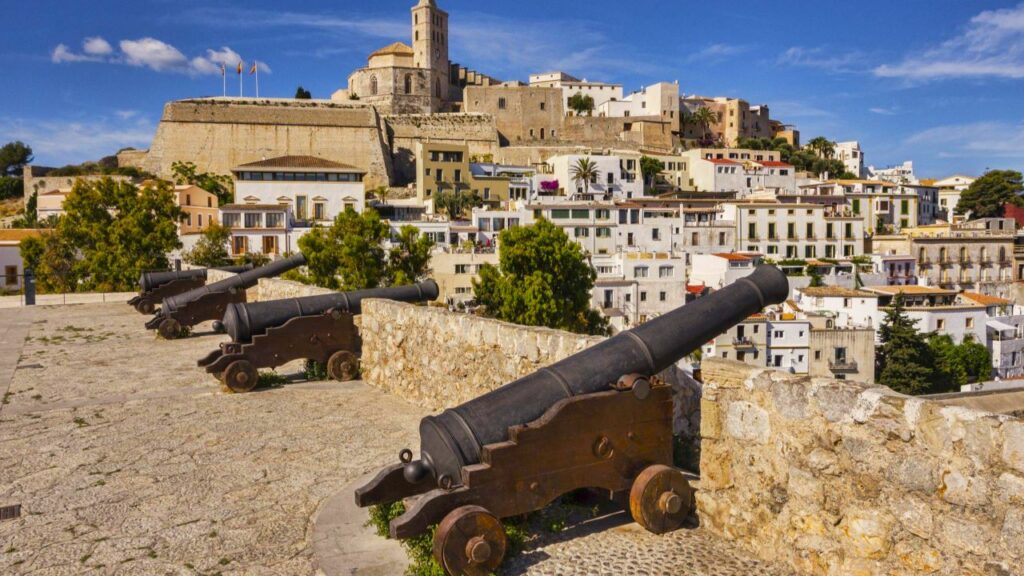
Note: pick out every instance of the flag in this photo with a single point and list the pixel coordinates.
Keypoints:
(223, 69)
(239, 66)
(253, 69)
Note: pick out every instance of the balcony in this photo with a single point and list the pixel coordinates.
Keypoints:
(743, 342)
(842, 366)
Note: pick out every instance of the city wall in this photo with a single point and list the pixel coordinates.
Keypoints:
(221, 134)
(475, 131)
(836, 477)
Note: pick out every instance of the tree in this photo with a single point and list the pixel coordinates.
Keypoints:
(30, 218)
(11, 187)
(987, 195)
(703, 117)
(455, 202)
(584, 170)
(219, 185)
(822, 147)
(348, 255)
(650, 168)
(904, 360)
(949, 374)
(381, 193)
(303, 94)
(542, 279)
(975, 359)
(110, 232)
(212, 248)
(13, 157)
(409, 258)
(581, 103)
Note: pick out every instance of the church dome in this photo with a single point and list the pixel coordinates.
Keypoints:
(396, 49)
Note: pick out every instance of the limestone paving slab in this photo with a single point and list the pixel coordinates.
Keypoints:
(127, 459)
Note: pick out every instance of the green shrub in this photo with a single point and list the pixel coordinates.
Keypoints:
(316, 372)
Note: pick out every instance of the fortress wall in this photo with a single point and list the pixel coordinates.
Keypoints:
(836, 477)
(476, 131)
(439, 359)
(218, 135)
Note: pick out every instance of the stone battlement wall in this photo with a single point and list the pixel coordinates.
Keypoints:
(221, 134)
(836, 477)
(476, 131)
(438, 359)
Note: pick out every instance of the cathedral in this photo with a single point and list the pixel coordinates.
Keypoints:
(417, 79)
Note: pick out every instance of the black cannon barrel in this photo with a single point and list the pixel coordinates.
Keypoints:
(454, 438)
(242, 281)
(153, 280)
(242, 320)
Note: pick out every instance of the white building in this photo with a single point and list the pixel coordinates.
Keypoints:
(935, 310)
(660, 100)
(899, 174)
(794, 231)
(955, 182)
(260, 229)
(895, 269)
(314, 189)
(1005, 333)
(601, 92)
(632, 288)
(849, 308)
(612, 181)
(852, 157)
(12, 270)
(717, 271)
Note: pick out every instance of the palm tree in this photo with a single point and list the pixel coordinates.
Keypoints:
(704, 117)
(586, 170)
(823, 147)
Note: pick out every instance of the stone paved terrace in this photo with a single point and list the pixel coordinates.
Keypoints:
(127, 459)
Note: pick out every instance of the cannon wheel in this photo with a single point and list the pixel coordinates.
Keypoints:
(240, 376)
(343, 366)
(470, 541)
(661, 499)
(169, 328)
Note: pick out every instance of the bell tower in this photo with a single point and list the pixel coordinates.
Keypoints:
(430, 45)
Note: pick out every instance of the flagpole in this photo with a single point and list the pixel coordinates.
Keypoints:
(224, 78)
(241, 66)
(257, 65)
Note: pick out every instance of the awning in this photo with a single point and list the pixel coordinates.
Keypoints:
(1000, 326)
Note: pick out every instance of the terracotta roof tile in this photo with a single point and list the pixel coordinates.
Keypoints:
(305, 162)
(836, 292)
(985, 299)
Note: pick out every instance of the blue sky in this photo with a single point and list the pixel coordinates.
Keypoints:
(940, 82)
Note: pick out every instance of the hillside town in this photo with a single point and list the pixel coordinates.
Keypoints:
(557, 202)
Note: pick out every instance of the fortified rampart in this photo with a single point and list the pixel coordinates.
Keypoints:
(840, 478)
(476, 131)
(218, 134)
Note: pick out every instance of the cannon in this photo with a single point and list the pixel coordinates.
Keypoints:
(601, 418)
(211, 301)
(155, 286)
(320, 328)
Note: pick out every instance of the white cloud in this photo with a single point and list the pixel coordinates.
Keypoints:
(977, 139)
(97, 46)
(152, 53)
(883, 111)
(716, 52)
(59, 142)
(991, 45)
(822, 58)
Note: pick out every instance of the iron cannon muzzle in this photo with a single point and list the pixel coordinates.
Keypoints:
(454, 439)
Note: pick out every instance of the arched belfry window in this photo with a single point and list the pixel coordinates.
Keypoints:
(437, 87)
(408, 83)
(373, 85)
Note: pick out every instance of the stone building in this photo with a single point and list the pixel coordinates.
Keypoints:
(521, 113)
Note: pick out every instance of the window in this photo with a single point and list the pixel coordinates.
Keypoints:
(771, 232)
(200, 220)
(666, 271)
(373, 85)
(270, 244)
(643, 296)
(810, 230)
(791, 231)
(319, 211)
(582, 232)
(941, 324)
(408, 83)
(721, 238)
(970, 322)
(188, 199)
(655, 234)
(559, 213)
(253, 219)
(462, 268)
(752, 231)
(543, 105)
(231, 220)
(602, 214)
(777, 334)
(209, 202)
(662, 296)
(829, 232)
(10, 275)
(240, 245)
(604, 233)
(856, 206)
(301, 207)
(640, 272)
(580, 213)
(501, 103)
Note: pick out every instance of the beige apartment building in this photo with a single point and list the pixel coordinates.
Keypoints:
(200, 208)
(445, 167)
(454, 271)
(736, 119)
(973, 256)
(883, 206)
(794, 231)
